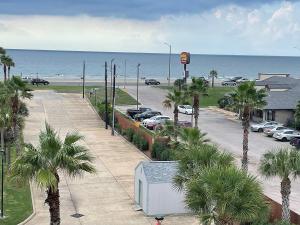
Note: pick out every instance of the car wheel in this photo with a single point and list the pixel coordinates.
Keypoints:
(186, 112)
(260, 130)
(284, 139)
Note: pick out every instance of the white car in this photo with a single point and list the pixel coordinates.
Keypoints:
(154, 121)
(186, 109)
(270, 131)
(259, 127)
(286, 135)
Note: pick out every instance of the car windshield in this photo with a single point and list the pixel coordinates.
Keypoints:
(188, 107)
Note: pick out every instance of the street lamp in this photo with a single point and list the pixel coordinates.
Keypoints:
(111, 77)
(137, 85)
(170, 54)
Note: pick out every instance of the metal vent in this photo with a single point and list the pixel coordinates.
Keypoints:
(77, 215)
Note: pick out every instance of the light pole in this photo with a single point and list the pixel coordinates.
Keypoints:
(111, 78)
(113, 102)
(170, 54)
(137, 85)
(83, 79)
(2, 172)
(106, 103)
(125, 71)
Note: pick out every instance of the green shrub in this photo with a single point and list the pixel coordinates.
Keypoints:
(101, 111)
(129, 134)
(224, 101)
(161, 151)
(143, 145)
(136, 139)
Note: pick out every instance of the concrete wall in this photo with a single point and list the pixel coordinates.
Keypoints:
(282, 116)
(164, 200)
(139, 175)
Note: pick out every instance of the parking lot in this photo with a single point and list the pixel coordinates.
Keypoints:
(226, 132)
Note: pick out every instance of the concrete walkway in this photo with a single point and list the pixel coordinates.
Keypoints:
(103, 198)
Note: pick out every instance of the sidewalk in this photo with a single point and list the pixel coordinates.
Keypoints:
(103, 198)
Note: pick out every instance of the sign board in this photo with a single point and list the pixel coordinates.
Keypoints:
(185, 58)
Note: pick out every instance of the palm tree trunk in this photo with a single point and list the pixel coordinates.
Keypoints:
(196, 110)
(54, 204)
(18, 139)
(175, 121)
(4, 72)
(245, 138)
(285, 194)
(2, 139)
(8, 73)
(213, 81)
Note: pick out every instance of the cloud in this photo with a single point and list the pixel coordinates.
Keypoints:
(268, 29)
(136, 9)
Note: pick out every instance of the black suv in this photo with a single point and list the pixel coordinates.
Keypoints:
(146, 115)
(133, 112)
(152, 82)
(38, 81)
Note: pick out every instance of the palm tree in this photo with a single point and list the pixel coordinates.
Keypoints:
(246, 98)
(213, 74)
(297, 115)
(10, 63)
(197, 89)
(19, 90)
(174, 98)
(225, 196)
(193, 160)
(190, 137)
(4, 61)
(2, 51)
(283, 163)
(42, 165)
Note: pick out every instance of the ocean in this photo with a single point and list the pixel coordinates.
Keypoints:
(68, 64)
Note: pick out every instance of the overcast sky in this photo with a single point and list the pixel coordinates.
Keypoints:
(241, 27)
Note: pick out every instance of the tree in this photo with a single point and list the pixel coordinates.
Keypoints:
(213, 74)
(285, 164)
(191, 137)
(2, 51)
(174, 98)
(197, 89)
(246, 98)
(42, 165)
(225, 196)
(297, 115)
(10, 63)
(4, 61)
(193, 160)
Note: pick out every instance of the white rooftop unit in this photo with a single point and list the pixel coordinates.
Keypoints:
(154, 189)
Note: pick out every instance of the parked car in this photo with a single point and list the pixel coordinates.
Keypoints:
(146, 115)
(286, 135)
(295, 142)
(133, 112)
(269, 131)
(231, 82)
(241, 80)
(186, 109)
(152, 82)
(26, 79)
(259, 127)
(184, 124)
(154, 121)
(205, 81)
(37, 81)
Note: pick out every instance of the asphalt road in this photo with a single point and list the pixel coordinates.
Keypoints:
(226, 132)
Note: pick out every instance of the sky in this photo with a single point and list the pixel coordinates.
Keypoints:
(239, 27)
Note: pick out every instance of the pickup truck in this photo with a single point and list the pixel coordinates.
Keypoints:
(133, 112)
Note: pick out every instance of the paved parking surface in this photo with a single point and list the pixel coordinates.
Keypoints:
(105, 197)
(226, 132)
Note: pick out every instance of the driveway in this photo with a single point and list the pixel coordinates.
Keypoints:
(102, 198)
(226, 132)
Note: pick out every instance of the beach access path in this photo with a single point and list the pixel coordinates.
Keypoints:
(106, 197)
(226, 131)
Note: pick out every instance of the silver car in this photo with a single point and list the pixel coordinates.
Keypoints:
(269, 131)
(259, 127)
(286, 135)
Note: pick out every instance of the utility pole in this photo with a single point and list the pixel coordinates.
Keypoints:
(113, 102)
(137, 85)
(170, 54)
(106, 103)
(2, 172)
(83, 79)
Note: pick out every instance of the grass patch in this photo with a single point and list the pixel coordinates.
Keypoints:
(122, 98)
(214, 94)
(17, 201)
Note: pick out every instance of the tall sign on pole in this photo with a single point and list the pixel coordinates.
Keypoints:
(185, 59)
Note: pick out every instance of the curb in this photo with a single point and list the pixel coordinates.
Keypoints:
(33, 208)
